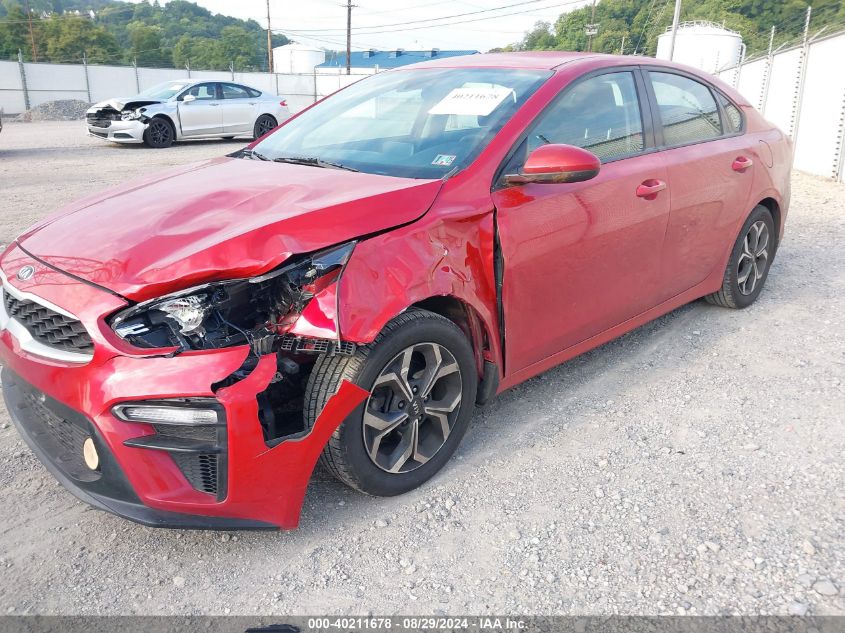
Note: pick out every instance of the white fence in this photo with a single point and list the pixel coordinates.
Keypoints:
(26, 85)
(802, 91)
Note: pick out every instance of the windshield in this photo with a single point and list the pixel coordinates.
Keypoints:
(410, 123)
(164, 91)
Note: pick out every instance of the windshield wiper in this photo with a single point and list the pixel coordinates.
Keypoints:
(251, 153)
(313, 162)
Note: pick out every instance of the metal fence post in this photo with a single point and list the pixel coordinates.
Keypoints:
(799, 81)
(137, 77)
(839, 159)
(87, 79)
(767, 74)
(23, 79)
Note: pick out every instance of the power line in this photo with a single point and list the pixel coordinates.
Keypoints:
(445, 17)
(432, 26)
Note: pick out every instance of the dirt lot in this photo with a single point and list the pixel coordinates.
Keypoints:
(697, 465)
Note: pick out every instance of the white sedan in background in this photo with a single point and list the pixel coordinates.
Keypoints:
(177, 110)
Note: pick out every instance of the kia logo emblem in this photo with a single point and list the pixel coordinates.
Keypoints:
(26, 273)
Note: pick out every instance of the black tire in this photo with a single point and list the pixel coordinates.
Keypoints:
(345, 455)
(160, 133)
(735, 293)
(263, 124)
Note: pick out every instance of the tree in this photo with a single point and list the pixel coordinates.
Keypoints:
(67, 38)
(145, 45)
(14, 35)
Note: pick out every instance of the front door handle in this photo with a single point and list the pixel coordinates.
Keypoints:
(650, 188)
(214, 104)
(742, 163)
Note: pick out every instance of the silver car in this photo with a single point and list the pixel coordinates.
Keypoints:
(177, 110)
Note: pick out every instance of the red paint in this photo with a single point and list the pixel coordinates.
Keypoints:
(584, 262)
(552, 158)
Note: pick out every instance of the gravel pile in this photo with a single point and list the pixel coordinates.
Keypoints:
(62, 110)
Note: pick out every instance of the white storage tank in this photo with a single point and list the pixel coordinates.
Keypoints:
(705, 45)
(297, 58)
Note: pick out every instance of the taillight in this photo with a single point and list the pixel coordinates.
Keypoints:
(283, 103)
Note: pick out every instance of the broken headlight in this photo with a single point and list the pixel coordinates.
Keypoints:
(235, 312)
(132, 115)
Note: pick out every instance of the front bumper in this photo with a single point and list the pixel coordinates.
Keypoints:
(119, 131)
(264, 484)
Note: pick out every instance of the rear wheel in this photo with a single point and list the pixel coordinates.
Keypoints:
(421, 375)
(263, 124)
(159, 133)
(748, 266)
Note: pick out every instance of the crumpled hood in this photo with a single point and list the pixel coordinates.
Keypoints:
(119, 103)
(223, 218)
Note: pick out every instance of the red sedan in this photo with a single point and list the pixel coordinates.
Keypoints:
(182, 350)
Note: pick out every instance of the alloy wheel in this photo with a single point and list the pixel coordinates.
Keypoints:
(754, 257)
(160, 132)
(413, 405)
(265, 124)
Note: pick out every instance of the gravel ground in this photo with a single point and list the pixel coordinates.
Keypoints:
(693, 466)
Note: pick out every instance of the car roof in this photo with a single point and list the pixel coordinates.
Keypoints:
(552, 60)
(541, 60)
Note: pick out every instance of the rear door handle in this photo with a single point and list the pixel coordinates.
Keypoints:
(742, 163)
(650, 188)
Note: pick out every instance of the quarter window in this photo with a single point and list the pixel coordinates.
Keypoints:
(734, 116)
(601, 114)
(687, 109)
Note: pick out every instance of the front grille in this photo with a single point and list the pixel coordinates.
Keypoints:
(49, 327)
(102, 119)
(62, 439)
(200, 470)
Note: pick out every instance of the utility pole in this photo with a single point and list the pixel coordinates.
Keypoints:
(591, 28)
(269, 41)
(349, 7)
(675, 19)
(31, 33)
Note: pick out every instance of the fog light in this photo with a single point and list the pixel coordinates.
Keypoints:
(89, 454)
(162, 414)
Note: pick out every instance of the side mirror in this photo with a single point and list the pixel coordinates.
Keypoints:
(556, 164)
(188, 98)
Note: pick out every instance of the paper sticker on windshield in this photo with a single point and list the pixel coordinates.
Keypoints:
(477, 101)
(443, 160)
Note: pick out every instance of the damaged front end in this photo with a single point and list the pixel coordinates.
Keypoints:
(205, 432)
(271, 313)
(119, 121)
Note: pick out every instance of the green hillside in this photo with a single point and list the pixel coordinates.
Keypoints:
(108, 31)
(640, 22)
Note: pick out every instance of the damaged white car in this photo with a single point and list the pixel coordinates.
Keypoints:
(177, 110)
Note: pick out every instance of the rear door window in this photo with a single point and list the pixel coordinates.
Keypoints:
(686, 108)
(231, 91)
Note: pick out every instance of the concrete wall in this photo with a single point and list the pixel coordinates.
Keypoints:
(802, 91)
(50, 82)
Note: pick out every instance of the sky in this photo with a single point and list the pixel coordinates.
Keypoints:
(408, 24)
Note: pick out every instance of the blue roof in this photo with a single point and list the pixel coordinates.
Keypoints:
(387, 59)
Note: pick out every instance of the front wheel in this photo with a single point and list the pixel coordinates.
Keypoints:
(421, 375)
(748, 266)
(159, 133)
